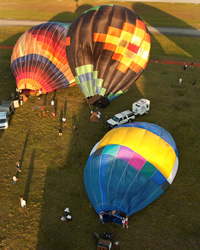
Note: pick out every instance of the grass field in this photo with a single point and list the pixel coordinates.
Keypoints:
(52, 166)
(155, 14)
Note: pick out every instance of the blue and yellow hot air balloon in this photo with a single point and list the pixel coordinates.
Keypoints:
(129, 168)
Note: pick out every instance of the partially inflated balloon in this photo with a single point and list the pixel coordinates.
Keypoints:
(108, 48)
(129, 168)
(39, 60)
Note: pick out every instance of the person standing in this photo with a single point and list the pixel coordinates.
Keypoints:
(40, 94)
(180, 81)
(101, 217)
(193, 82)
(64, 120)
(13, 96)
(22, 202)
(15, 179)
(123, 222)
(126, 221)
(18, 166)
(60, 132)
(67, 211)
(52, 104)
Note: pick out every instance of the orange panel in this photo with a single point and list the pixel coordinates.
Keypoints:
(140, 25)
(147, 38)
(67, 42)
(123, 68)
(114, 31)
(117, 57)
(110, 47)
(135, 67)
(128, 27)
(99, 37)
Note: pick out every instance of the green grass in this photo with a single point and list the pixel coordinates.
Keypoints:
(155, 14)
(52, 166)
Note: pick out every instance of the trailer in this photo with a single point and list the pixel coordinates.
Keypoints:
(141, 107)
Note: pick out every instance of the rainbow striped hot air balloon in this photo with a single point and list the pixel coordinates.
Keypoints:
(129, 168)
(39, 61)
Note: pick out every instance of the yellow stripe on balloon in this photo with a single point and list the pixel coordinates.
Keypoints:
(149, 145)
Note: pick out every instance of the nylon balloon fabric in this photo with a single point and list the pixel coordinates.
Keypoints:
(39, 60)
(108, 48)
(130, 167)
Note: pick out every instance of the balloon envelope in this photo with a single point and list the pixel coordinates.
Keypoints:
(108, 48)
(130, 167)
(39, 61)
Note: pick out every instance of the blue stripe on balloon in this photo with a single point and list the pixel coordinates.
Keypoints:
(88, 183)
(103, 166)
(150, 193)
(98, 90)
(33, 59)
(85, 77)
(95, 177)
(158, 178)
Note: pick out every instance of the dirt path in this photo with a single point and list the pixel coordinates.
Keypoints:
(153, 30)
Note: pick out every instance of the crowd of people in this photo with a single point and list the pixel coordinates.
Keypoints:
(15, 180)
(180, 80)
(67, 215)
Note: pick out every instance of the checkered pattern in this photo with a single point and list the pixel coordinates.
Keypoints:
(131, 45)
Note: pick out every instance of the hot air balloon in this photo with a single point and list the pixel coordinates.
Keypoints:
(129, 168)
(108, 48)
(39, 62)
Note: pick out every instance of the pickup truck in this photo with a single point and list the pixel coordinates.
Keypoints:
(121, 118)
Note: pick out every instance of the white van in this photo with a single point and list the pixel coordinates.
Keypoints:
(3, 120)
(7, 106)
(141, 107)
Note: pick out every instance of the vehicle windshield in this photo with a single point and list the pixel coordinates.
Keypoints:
(2, 120)
(115, 118)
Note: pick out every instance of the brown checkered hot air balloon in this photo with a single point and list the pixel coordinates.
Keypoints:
(107, 48)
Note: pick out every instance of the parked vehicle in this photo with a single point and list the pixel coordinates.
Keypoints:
(121, 118)
(4, 120)
(8, 107)
(141, 107)
(104, 243)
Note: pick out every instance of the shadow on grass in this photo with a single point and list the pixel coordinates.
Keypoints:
(64, 185)
(61, 116)
(29, 177)
(23, 152)
(61, 17)
(144, 9)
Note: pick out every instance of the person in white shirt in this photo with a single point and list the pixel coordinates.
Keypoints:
(23, 202)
